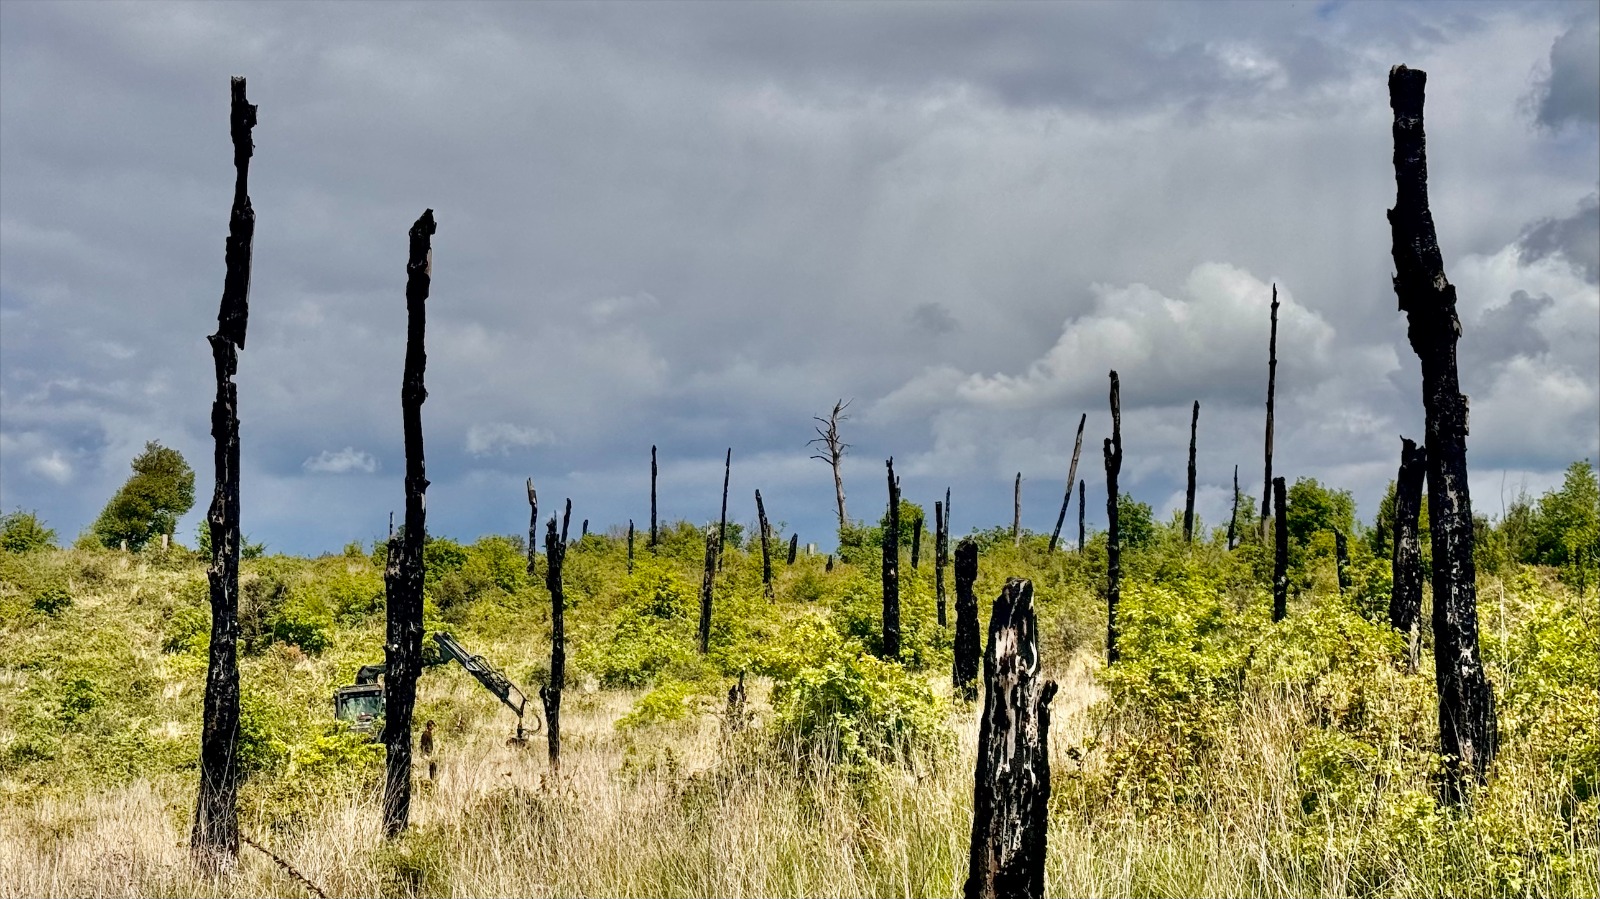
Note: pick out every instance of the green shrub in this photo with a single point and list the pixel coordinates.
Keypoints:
(187, 629)
(670, 703)
(52, 600)
(22, 532)
(303, 622)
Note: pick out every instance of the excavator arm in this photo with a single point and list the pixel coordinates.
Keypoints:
(485, 673)
(346, 698)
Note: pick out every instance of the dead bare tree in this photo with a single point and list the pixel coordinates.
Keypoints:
(891, 569)
(555, 549)
(1405, 602)
(1467, 729)
(1011, 782)
(1280, 555)
(766, 551)
(964, 674)
(834, 447)
(655, 529)
(533, 528)
(794, 548)
(630, 546)
(1072, 475)
(1272, 387)
(1081, 492)
(941, 548)
(1016, 511)
(916, 542)
(1113, 458)
(214, 839)
(403, 574)
(1188, 496)
(707, 581)
(1233, 519)
(1341, 556)
(722, 528)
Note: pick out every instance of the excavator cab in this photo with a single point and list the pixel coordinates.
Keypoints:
(362, 703)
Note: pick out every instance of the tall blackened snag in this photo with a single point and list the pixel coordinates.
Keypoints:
(1405, 601)
(1188, 496)
(964, 673)
(1072, 475)
(891, 569)
(555, 549)
(1113, 457)
(1280, 552)
(766, 549)
(214, 840)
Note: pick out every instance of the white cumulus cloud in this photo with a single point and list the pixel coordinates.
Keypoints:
(346, 461)
(499, 438)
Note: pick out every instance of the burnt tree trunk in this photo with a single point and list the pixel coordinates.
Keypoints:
(964, 673)
(550, 695)
(766, 550)
(1188, 496)
(1467, 728)
(794, 548)
(584, 530)
(1233, 518)
(916, 543)
(1113, 457)
(1016, 511)
(1081, 492)
(940, 550)
(630, 546)
(655, 529)
(891, 569)
(1011, 782)
(1280, 553)
(1272, 388)
(722, 527)
(1072, 475)
(1341, 560)
(835, 447)
(403, 574)
(707, 581)
(533, 529)
(1405, 602)
(829, 565)
(214, 839)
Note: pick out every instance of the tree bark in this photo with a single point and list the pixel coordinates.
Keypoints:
(794, 547)
(834, 447)
(1011, 782)
(1467, 727)
(1233, 518)
(630, 546)
(1272, 387)
(891, 570)
(1113, 457)
(1405, 602)
(1016, 511)
(1072, 475)
(916, 543)
(1280, 555)
(550, 695)
(722, 528)
(964, 674)
(533, 529)
(655, 530)
(766, 551)
(941, 548)
(1188, 497)
(214, 839)
(707, 582)
(404, 572)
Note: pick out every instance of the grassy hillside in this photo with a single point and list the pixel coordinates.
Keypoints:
(1224, 756)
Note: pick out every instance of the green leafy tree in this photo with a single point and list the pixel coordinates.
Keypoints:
(151, 502)
(22, 531)
(1566, 528)
(1136, 521)
(1312, 509)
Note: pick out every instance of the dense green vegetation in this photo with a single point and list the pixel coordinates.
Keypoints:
(1222, 755)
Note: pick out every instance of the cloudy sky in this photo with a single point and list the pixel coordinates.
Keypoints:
(700, 225)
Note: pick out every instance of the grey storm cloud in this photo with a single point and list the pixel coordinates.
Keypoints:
(1571, 91)
(698, 225)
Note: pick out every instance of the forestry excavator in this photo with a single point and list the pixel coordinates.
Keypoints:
(362, 703)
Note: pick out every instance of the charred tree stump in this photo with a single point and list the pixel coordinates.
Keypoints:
(214, 839)
(1072, 475)
(1341, 558)
(916, 542)
(707, 581)
(404, 572)
(940, 549)
(829, 566)
(1113, 457)
(737, 698)
(964, 673)
(1188, 497)
(766, 550)
(655, 530)
(630, 546)
(1081, 492)
(550, 695)
(1233, 518)
(1280, 554)
(722, 527)
(1405, 602)
(794, 548)
(1467, 727)
(1011, 783)
(891, 569)
(584, 530)
(1272, 387)
(1016, 511)
(533, 529)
